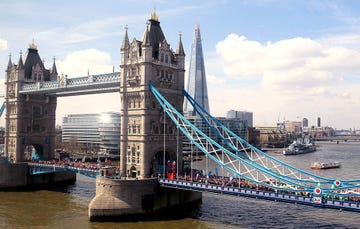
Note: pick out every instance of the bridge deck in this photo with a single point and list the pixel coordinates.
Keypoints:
(102, 83)
(218, 189)
(260, 194)
(36, 168)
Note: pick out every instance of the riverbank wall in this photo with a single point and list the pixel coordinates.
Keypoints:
(143, 199)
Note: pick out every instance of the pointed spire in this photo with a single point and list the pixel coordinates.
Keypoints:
(146, 37)
(10, 64)
(154, 16)
(196, 84)
(53, 69)
(180, 48)
(125, 43)
(33, 46)
(197, 37)
(21, 64)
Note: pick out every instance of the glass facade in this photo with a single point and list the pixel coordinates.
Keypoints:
(93, 132)
(196, 83)
(109, 131)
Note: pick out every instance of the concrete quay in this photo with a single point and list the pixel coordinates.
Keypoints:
(142, 199)
(17, 177)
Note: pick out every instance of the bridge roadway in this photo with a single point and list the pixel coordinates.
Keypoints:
(312, 200)
(261, 194)
(37, 168)
(339, 138)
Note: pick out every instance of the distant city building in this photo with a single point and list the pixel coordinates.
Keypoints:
(305, 122)
(243, 115)
(109, 131)
(92, 132)
(196, 84)
(293, 126)
(272, 137)
(318, 122)
(82, 129)
(319, 132)
(237, 126)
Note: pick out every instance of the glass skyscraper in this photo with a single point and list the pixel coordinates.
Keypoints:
(196, 85)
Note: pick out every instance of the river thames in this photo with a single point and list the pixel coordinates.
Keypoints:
(67, 208)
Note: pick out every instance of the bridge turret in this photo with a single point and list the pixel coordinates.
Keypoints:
(146, 45)
(53, 72)
(30, 119)
(180, 53)
(21, 63)
(21, 68)
(10, 64)
(124, 50)
(142, 120)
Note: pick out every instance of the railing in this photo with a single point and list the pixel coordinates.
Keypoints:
(36, 168)
(92, 83)
(262, 194)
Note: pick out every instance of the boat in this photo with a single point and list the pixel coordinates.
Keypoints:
(325, 165)
(300, 146)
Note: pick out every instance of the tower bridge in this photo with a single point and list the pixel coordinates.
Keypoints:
(150, 83)
(31, 101)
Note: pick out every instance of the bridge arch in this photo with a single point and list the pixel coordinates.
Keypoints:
(33, 152)
(157, 163)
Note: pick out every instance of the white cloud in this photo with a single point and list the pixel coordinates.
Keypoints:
(345, 40)
(211, 79)
(77, 64)
(80, 62)
(299, 77)
(3, 45)
(298, 62)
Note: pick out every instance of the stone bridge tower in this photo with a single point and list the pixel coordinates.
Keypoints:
(142, 119)
(29, 119)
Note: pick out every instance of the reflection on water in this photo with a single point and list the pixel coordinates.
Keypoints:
(67, 208)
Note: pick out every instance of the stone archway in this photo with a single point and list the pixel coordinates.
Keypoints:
(157, 166)
(133, 172)
(33, 152)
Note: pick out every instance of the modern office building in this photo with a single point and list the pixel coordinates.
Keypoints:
(236, 125)
(109, 131)
(305, 122)
(318, 122)
(293, 126)
(92, 132)
(243, 115)
(196, 84)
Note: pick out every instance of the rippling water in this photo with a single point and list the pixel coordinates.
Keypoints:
(67, 208)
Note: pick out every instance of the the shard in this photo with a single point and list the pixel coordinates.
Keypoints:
(196, 84)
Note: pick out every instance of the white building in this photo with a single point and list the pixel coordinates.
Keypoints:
(93, 131)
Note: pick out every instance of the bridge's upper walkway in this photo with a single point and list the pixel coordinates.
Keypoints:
(102, 83)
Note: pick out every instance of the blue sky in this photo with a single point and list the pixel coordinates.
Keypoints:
(279, 59)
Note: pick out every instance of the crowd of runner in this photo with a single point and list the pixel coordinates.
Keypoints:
(75, 164)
